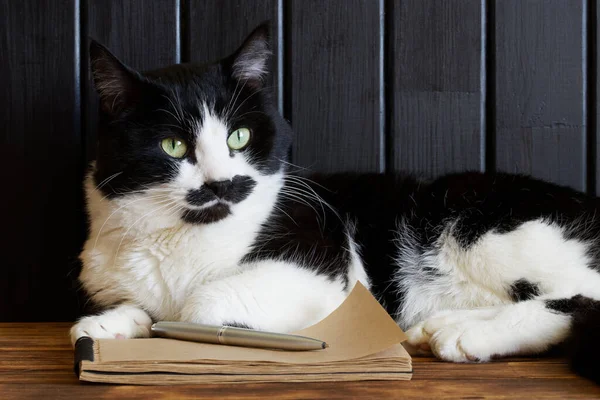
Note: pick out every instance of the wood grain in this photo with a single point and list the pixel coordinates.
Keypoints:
(594, 137)
(144, 34)
(334, 71)
(36, 360)
(230, 22)
(435, 51)
(540, 97)
(41, 159)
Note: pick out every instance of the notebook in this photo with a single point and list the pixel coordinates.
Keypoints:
(364, 344)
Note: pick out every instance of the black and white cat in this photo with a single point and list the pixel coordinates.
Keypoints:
(195, 216)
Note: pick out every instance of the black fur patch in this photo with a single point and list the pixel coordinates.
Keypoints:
(234, 190)
(571, 305)
(198, 197)
(206, 215)
(582, 345)
(237, 325)
(304, 231)
(522, 290)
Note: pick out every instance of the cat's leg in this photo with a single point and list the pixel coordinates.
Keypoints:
(272, 296)
(527, 327)
(122, 322)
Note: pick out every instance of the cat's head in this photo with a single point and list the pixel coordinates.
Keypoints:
(199, 137)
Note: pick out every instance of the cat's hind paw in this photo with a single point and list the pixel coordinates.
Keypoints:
(457, 336)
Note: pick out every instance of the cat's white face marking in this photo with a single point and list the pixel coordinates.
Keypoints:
(215, 161)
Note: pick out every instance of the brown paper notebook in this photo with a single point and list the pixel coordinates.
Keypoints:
(364, 344)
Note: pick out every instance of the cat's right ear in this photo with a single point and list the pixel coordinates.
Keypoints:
(118, 86)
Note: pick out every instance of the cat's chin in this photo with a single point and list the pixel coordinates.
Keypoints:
(207, 215)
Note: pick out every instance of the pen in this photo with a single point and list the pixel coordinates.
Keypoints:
(233, 336)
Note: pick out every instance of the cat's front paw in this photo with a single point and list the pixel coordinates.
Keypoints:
(123, 322)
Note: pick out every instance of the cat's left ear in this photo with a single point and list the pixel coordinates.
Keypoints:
(119, 86)
(250, 62)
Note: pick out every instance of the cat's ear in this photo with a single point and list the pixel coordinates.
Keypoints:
(117, 85)
(251, 61)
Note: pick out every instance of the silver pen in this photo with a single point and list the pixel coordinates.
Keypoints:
(233, 336)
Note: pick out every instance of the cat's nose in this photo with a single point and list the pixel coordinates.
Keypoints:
(219, 188)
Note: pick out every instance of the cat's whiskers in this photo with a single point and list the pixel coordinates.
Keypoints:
(300, 199)
(275, 206)
(316, 196)
(235, 99)
(301, 181)
(150, 189)
(311, 196)
(251, 112)
(168, 213)
(116, 257)
(265, 243)
(305, 179)
(107, 180)
(179, 117)
(143, 191)
(228, 107)
(298, 167)
(169, 126)
(127, 205)
(168, 112)
(249, 97)
(181, 112)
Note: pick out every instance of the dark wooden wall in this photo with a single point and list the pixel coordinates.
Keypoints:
(429, 86)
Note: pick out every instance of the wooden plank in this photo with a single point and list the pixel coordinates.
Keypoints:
(37, 360)
(540, 97)
(215, 29)
(437, 123)
(334, 74)
(144, 34)
(41, 159)
(594, 158)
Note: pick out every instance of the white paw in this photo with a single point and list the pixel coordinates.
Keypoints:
(454, 335)
(123, 322)
(462, 342)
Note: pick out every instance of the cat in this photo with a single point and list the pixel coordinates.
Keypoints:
(196, 215)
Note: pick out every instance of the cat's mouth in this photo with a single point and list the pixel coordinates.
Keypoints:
(230, 191)
(212, 201)
(207, 215)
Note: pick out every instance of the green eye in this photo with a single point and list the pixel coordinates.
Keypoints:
(238, 139)
(174, 147)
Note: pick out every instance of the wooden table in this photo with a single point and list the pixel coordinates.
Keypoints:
(36, 361)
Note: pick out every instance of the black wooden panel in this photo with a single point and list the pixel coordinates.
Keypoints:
(142, 33)
(435, 51)
(594, 152)
(540, 97)
(215, 29)
(334, 72)
(41, 159)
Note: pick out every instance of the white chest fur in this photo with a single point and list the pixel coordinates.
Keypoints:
(140, 252)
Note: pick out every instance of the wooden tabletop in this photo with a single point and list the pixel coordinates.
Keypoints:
(36, 361)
